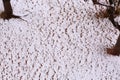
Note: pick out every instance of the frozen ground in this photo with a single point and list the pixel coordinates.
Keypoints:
(61, 40)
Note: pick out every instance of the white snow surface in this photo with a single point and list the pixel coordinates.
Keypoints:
(61, 40)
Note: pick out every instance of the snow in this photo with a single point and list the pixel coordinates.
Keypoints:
(61, 40)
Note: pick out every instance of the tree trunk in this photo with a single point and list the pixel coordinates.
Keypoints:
(117, 47)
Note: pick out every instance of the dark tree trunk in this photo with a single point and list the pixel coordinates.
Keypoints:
(8, 12)
(116, 50)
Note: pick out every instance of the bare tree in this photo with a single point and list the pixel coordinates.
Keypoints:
(112, 10)
(8, 11)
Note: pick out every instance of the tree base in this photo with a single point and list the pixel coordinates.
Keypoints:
(113, 51)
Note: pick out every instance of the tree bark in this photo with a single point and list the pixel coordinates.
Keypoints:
(116, 50)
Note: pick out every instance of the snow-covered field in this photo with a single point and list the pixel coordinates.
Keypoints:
(61, 40)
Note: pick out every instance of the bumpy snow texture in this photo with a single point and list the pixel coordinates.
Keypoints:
(61, 40)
